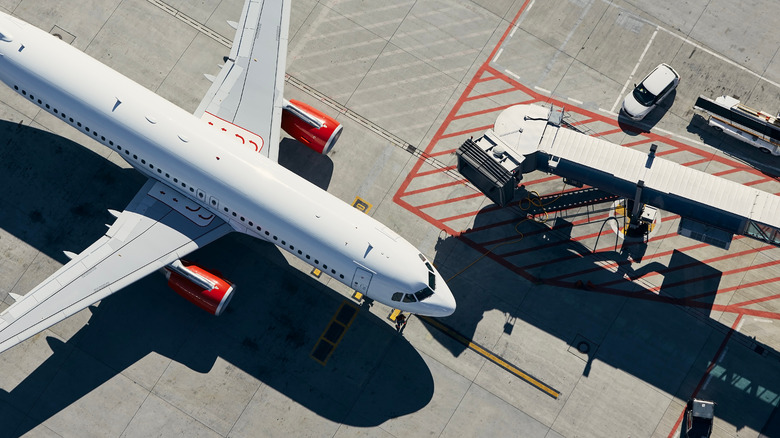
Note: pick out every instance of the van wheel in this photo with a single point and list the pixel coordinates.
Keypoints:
(765, 150)
(718, 128)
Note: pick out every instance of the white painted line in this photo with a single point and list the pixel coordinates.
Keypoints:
(543, 90)
(511, 34)
(722, 58)
(511, 74)
(578, 102)
(631, 76)
(613, 114)
(709, 375)
(498, 54)
(682, 137)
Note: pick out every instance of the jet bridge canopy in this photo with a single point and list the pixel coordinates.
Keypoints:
(713, 202)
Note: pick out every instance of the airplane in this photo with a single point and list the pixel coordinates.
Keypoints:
(209, 173)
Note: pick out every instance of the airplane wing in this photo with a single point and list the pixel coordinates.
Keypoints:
(258, 57)
(158, 227)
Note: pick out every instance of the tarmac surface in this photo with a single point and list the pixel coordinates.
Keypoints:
(562, 329)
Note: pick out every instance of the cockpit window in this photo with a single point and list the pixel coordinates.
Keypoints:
(409, 298)
(422, 257)
(397, 296)
(432, 280)
(423, 294)
(428, 265)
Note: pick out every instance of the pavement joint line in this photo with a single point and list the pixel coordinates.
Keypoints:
(487, 354)
(184, 18)
(312, 92)
(373, 127)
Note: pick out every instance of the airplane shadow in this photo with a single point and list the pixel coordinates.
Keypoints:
(156, 339)
(654, 334)
(299, 159)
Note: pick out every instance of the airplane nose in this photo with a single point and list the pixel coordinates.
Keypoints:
(442, 303)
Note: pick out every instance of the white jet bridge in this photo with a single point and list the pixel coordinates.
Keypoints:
(530, 137)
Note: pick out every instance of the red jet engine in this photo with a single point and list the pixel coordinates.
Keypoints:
(199, 286)
(313, 128)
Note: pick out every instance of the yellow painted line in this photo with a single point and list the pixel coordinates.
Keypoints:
(333, 344)
(361, 204)
(492, 357)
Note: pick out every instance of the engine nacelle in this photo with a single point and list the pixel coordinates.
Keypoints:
(199, 286)
(309, 126)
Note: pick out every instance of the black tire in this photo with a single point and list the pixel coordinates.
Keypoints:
(717, 128)
(765, 150)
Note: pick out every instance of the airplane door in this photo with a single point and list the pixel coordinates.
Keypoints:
(361, 280)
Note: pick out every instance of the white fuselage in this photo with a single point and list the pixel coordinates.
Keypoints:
(253, 194)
